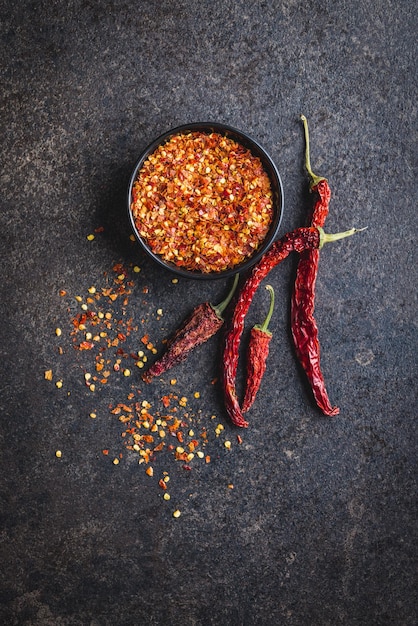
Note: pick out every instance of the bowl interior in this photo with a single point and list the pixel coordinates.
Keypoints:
(270, 169)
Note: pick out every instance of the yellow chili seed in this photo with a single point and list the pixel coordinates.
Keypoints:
(92, 289)
(58, 332)
(115, 461)
(166, 496)
(227, 445)
(58, 384)
(93, 415)
(126, 372)
(90, 237)
(58, 454)
(137, 269)
(177, 513)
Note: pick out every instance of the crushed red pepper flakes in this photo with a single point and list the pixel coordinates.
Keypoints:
(96, 333)
(202, 201)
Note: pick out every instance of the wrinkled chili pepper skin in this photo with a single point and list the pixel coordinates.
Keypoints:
(303, 325)
(297, 241)
(258, 350)
(305, 330)
(200, 326)
(321, 206)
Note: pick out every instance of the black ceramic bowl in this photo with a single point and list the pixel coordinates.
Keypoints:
(270, 169)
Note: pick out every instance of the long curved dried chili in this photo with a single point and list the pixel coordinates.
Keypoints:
(303, 325)
(301, 239)
(257, 353)
(204, 321)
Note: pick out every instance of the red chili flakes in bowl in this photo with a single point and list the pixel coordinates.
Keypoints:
(202, 202)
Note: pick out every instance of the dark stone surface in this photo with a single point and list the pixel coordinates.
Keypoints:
(320, 527)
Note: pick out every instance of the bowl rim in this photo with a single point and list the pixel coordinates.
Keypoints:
(271, 170)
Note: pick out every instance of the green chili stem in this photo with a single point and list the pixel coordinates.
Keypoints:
(264, 326)
(328, 237)
(314, 178)
(220, 308)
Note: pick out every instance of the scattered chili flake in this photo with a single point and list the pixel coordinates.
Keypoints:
(202, 201)
(48, 375)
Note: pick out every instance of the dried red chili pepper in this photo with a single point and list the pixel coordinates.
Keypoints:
(301, 239)
(257, 353)
(204, 321)
(303, 325)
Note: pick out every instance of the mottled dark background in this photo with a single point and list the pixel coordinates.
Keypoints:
(320, 527)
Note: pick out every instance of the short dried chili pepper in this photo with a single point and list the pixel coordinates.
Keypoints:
(204, 321)
(303, 325)
(296, 241)
(257, 353)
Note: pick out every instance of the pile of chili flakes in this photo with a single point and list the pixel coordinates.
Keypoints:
(100, 331)
(203, 202)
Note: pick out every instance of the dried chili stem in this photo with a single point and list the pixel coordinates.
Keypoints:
(328, 237)
(314, 178)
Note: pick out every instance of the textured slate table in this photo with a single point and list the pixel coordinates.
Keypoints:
(309, 520)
